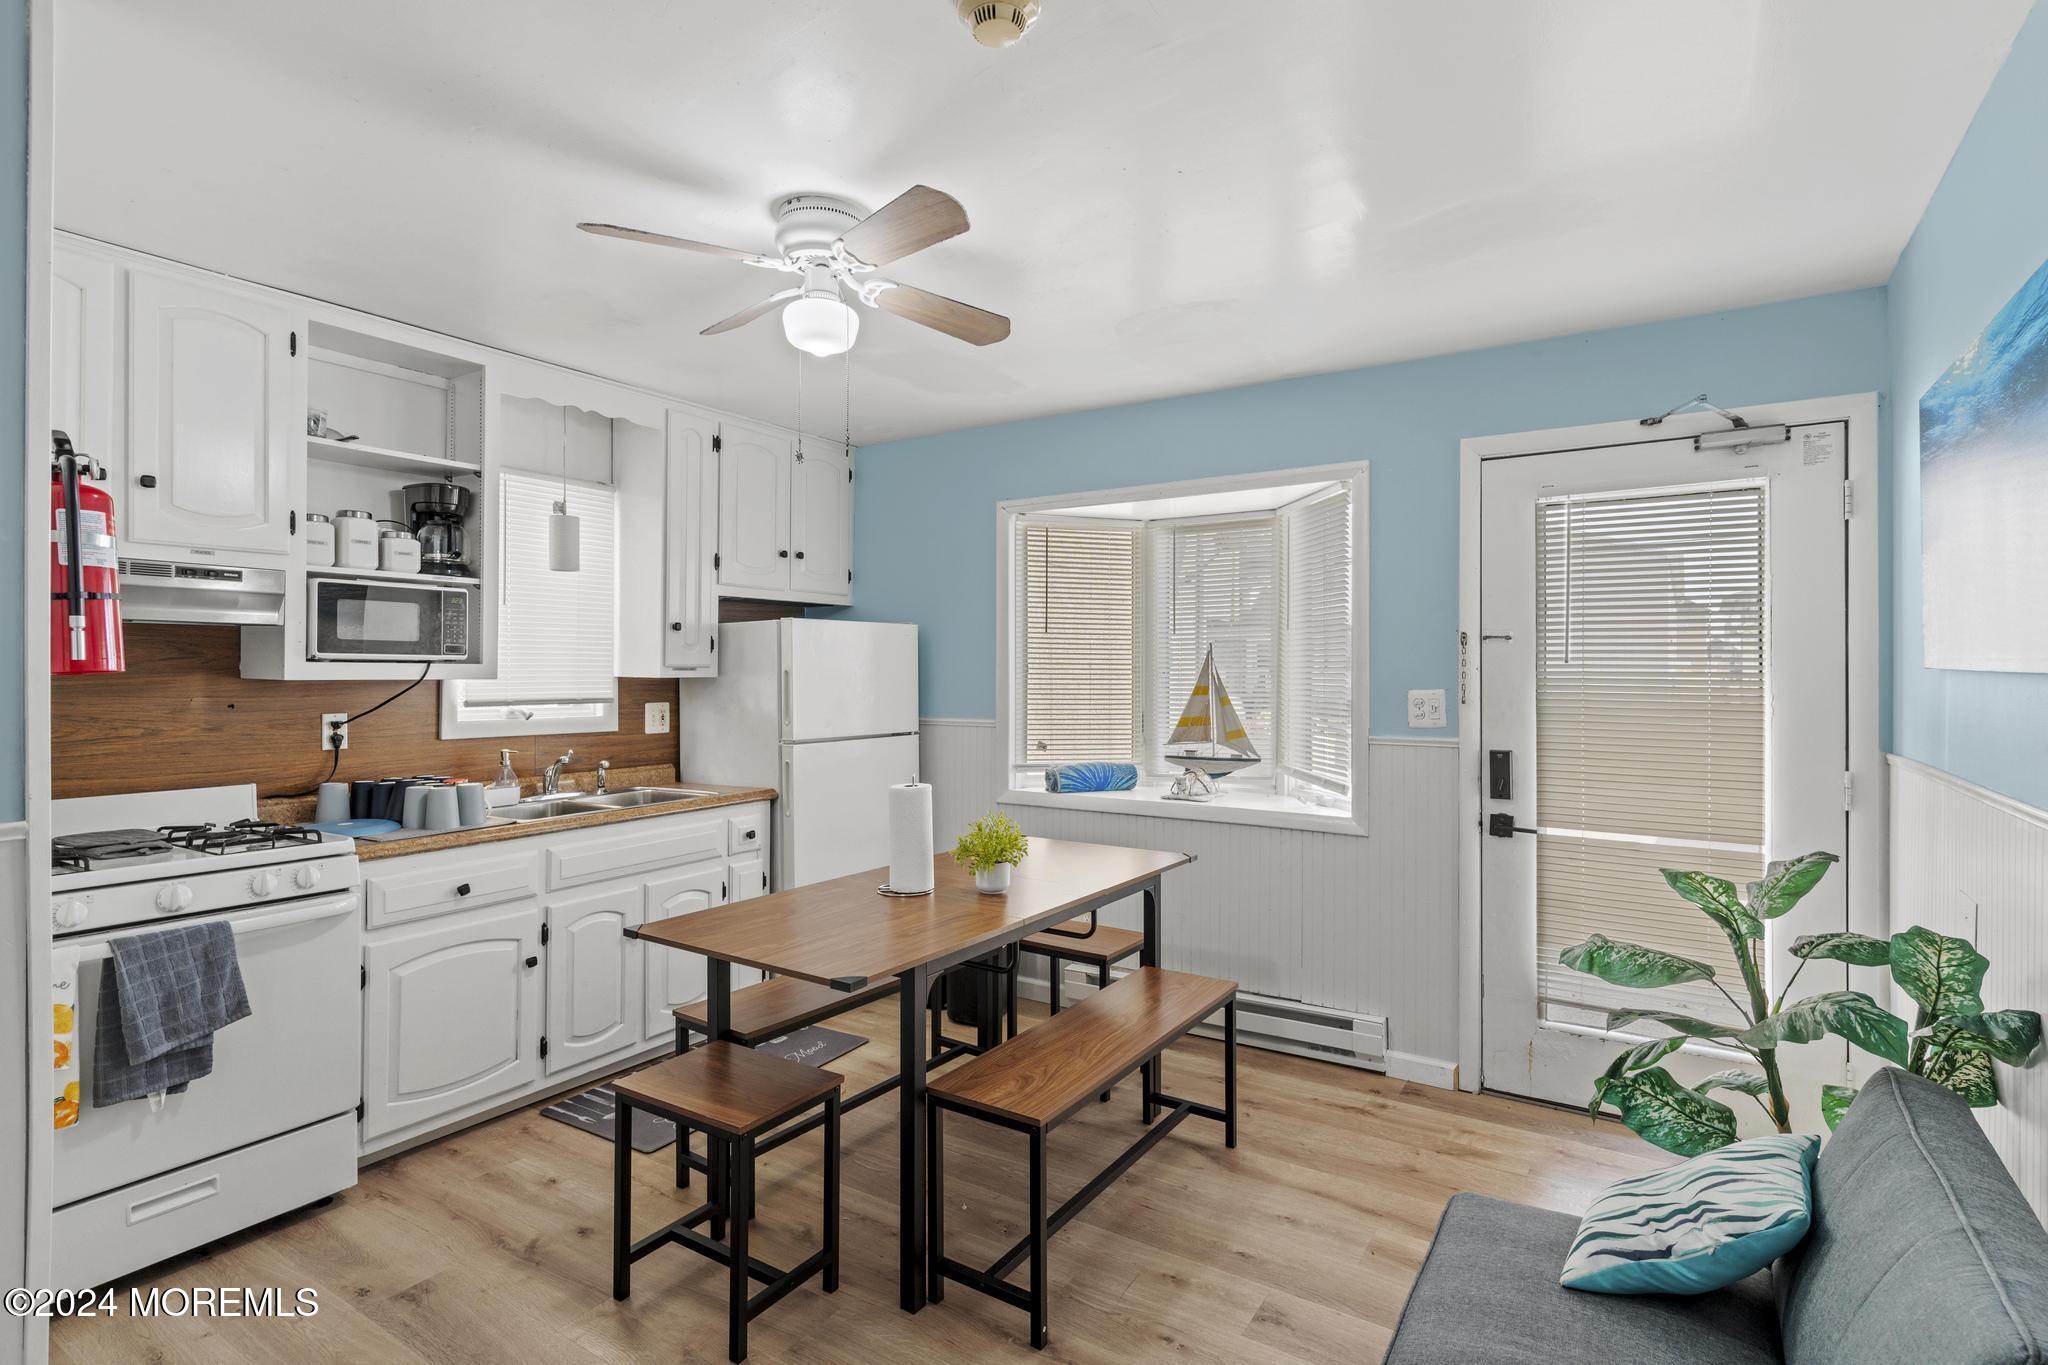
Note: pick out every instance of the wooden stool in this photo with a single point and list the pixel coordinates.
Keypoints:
(735, 1095)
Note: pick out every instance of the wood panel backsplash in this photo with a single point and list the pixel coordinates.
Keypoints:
(183, 716)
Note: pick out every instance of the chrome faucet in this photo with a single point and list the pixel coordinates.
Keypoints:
(603, 768)
(551, 776)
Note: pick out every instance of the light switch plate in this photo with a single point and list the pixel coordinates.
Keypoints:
(1426, 708)
(657, 718)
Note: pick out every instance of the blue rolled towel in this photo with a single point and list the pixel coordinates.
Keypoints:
(1091, 777)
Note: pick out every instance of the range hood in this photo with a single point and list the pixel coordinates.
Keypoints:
(201, 594)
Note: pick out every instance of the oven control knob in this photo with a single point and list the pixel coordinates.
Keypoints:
(68, 914)
(307, 877)
(173, 896)
(264, 883)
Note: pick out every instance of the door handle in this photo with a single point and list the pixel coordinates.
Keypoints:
(1501, 825)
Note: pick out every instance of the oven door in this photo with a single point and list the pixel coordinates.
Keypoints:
(352, 619)
(295, 1060)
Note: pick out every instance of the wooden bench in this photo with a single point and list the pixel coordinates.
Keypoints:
(734, 1094)
(1040, 1078)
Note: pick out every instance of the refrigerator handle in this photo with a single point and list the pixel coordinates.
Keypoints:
(788, 779)
(785, 704)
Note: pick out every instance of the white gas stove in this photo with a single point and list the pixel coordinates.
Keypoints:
(274, 1126)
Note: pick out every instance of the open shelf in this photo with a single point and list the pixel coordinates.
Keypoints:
(391, 576)
(378, 457)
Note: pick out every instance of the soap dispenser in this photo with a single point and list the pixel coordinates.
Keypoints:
(504, 791)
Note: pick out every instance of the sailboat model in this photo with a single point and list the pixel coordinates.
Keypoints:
(1210, 741)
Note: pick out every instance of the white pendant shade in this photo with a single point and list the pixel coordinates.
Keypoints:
(821, 325)
(565, 540)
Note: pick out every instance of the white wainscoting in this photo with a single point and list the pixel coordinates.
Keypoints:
(1364, 924)
(1974, 864)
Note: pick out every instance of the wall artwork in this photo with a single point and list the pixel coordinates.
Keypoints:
(1984, 495)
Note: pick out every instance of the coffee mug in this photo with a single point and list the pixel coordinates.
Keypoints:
(332, 807)
(469, 802)
(442, 811)
(413, 815)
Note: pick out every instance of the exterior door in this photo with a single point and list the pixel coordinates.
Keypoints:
(690, 587)
(451, 1015)
(673, 976)
(210, 420)
(822, 521)
(753, 508)
(593, 980)
(1662, 685)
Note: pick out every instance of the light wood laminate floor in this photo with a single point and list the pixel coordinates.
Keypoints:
(493, 1245)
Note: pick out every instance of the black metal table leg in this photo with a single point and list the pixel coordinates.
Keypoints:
(682, 1129)
(1151, 1076)
(622, 1198)
(718, 1018)
(832, 1193)
(1230, 1074)
(1010, 987)
(935, 1192)
(741, 1159)
(910, 1213)
(1039, 1288)
(1102, 984)
(1056, 973)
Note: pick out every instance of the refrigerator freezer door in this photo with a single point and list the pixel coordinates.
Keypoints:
(834, 810)
(844, 679)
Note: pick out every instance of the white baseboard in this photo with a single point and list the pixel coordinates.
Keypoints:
(1406, 1066)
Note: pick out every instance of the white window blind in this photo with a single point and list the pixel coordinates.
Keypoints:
(554, 629)
(1215, 583)
(1650, 702)
(1077, 640)
(1316, 645)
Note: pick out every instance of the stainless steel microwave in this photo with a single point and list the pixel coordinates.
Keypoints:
(350, 618)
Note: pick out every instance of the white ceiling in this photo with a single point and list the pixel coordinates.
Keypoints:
(1167, 195)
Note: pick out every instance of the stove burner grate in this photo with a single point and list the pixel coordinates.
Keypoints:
(240, 836)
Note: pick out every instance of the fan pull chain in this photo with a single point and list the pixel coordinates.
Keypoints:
(846, 359)
(799, 405)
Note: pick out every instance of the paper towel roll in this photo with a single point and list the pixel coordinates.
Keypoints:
(910, 838)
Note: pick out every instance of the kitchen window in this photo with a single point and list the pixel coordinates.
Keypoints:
(555, 630)
(1112, 602)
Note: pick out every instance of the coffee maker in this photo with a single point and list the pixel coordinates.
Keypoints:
(437, 511)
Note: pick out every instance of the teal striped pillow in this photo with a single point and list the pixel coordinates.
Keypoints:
(1700, 1225)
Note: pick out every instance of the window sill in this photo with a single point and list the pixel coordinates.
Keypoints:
(1230, 808)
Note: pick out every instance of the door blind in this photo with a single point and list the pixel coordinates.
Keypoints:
(1651, 617)
(1215, 583)
(1316, 654)
(1077, 635)
(554, 629)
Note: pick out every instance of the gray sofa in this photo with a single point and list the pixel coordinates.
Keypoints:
(1922, 1252)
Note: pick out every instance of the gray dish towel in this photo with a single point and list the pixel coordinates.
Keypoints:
(162, 998)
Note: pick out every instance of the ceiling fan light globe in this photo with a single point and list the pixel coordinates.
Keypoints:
(820, 326)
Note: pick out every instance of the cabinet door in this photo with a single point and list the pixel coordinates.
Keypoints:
(593, 978)
(451, 1015)
(690, 590)
(753, 507)
(83, 316)
(675, 977)
(821, 525)
(209, 419)
(747, 877)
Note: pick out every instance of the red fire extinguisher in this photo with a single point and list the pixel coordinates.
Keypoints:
(85, 598)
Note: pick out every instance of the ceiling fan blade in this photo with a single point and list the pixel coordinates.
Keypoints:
(912, 221)
(747, 315)
(658, 239)
(940, 313)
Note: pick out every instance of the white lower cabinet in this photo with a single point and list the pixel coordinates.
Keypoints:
(467, 1010)
(451, 1015)
(593, 977)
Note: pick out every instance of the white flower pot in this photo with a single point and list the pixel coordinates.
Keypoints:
(992, 881)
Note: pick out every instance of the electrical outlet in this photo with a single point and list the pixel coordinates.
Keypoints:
(657, 718)
(329, 724)
(1426, 709)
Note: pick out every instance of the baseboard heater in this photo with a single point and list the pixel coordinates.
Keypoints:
(1278, 1025)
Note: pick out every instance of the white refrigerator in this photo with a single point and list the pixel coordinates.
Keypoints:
(823, 711)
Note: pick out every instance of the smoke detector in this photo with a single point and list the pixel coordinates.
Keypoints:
(997, 23)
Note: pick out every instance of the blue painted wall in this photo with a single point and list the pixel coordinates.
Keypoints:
(924, 550)
(13, 321)
(1984, 232)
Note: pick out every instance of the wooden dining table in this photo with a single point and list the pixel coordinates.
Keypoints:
(848, 935)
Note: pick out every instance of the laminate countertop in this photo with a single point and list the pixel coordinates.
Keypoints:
(300, 809)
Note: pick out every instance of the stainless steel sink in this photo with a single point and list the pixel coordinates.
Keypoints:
(635, 797)
(539, 808)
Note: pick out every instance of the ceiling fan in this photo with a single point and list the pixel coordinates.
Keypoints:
(836, 250)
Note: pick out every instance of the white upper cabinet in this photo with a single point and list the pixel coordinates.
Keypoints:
(690, 586)
(210, 420)
(821, 521)
(754, 474)
(84, 315)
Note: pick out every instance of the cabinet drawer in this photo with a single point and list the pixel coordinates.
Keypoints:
(599, 855)
(440, 884)
(746, 833)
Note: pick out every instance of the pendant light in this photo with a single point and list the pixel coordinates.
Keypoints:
(565, 533)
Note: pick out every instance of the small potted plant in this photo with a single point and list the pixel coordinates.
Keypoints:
(989, 848)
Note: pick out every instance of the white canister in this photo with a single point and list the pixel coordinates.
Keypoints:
(319, 541)
(355, 539)
(398, 552)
